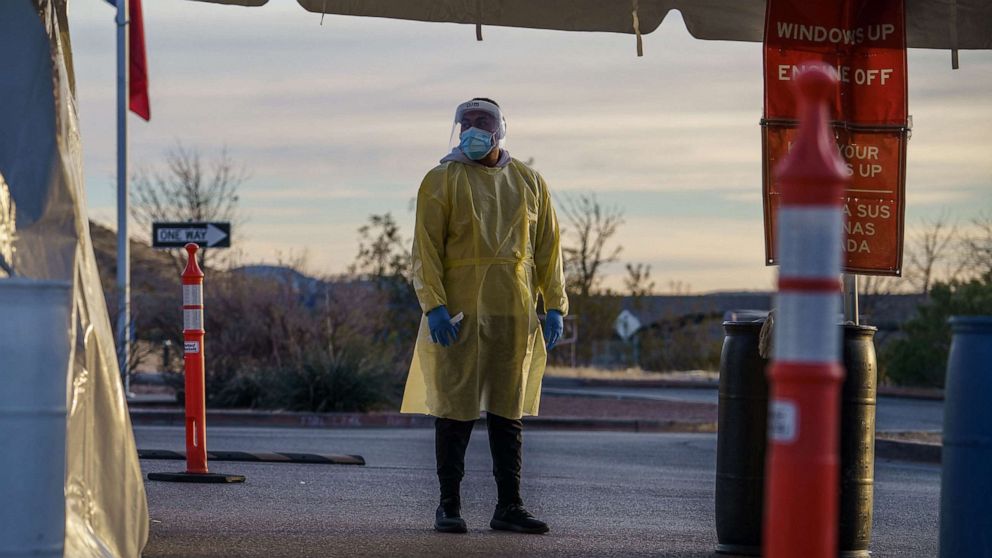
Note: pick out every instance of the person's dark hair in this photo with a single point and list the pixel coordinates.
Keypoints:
(486, 99)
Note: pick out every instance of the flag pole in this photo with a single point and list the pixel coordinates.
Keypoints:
(123, 250)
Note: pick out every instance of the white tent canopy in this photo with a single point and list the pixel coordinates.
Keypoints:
(940, 24)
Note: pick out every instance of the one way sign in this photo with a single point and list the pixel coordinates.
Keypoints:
(177, 235)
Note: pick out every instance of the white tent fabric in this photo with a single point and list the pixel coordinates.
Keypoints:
(942, 24)
(44, 235)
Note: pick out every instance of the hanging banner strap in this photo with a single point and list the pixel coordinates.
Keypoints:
(637, 28)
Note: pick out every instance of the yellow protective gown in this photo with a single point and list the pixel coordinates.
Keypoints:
(486, 244)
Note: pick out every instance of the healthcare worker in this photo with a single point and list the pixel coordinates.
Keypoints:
(486, 245)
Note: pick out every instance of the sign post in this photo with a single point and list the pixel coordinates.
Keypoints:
(123, 247)
(627, 325)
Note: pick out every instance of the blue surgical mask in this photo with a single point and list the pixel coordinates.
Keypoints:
(476, 143)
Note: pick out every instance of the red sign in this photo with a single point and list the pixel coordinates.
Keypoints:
(873, 200)
(865, 42)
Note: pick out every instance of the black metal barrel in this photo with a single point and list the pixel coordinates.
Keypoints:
(741, 431)
(741, 441)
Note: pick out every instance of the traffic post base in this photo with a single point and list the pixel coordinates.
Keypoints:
(209, 478)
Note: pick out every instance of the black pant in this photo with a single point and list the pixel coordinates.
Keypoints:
(505, 443)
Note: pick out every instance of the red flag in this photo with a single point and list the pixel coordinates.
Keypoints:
(138, 69)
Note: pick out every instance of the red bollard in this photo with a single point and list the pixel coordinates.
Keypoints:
(802, 480)
(196, 400)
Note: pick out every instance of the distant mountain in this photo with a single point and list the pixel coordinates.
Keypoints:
(287, 274)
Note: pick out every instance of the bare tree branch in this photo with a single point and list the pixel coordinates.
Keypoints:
(638, 281)
(186, 191)
(592, 228)
(382, 252)
(932, 246)
(977, 257)
(870, 285)
(677, 287)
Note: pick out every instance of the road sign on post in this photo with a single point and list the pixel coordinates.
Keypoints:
(178, 235)
(626, 325)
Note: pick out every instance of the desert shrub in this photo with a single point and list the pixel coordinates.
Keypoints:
(693, 345)
(919, 358)
(252, 320)
(244, 388)
(278, 343)
(318, 381)
(595, 315)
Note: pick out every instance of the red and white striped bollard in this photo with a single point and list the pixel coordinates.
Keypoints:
(802, 473)
(196, 400)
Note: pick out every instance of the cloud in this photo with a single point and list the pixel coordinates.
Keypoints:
(342, 120)
(710, 254)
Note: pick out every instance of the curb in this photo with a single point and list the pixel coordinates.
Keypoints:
(176, 417)
(884, 449)
(908, 451)
(928, 394)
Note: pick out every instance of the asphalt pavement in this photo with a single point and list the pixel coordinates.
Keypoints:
(603, 493)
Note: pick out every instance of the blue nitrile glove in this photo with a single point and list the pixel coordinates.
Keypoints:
(442, 330)
(553, 326)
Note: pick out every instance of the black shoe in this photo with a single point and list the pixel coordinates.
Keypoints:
(515, 518)
(448, 519)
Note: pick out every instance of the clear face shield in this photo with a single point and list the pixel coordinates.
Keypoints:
(479, 127)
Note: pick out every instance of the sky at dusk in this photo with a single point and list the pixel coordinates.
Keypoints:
(338, 121)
